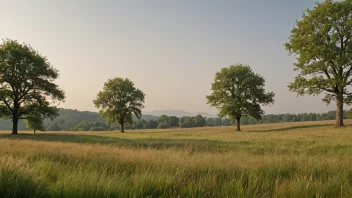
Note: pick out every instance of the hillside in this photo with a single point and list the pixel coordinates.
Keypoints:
(68, 118)
(178, 113)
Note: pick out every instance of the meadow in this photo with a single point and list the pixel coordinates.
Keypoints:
(305, 159)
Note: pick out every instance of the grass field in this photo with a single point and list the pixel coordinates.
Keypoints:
(307, 159)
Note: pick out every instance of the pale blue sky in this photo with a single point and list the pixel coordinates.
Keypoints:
(170, 49)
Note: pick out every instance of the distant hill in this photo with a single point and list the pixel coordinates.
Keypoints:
(178, 113)
(68, 118)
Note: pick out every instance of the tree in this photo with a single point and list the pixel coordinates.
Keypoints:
(163, 125)
(163, 119)
(26, 83)
(54, 127)
(35, 123)
(199, 121)
(349, 114)
(186, 122)
(237, 91)
(139, 124)
(226, 122)
(322, 42)
(217, 122)
(119, 100)
(151, 124)
(210, 122)
(173, 121)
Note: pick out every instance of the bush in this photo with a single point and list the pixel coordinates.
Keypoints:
(97, 129)
(151, 124)
(54, 127)
(163, 126)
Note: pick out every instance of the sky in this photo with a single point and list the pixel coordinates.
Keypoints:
(170, 49)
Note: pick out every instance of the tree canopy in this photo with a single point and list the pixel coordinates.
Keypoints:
(26, 83)
(35, 123)
(322, 43)
(237, 91)
(119, 100)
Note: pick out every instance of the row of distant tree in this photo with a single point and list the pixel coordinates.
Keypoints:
(165, 122)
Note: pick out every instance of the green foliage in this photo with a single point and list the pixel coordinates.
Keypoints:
(151, 124)
(119, 101)
(213, 122)
(139, 124)
(163, 125)
(90, 126)
(35, 122)
(186, 122)
(322, 42)
(199, 121)
(26, 83)
(349, 114)
(173, 121)
(54, 127)
(69, 119)
(237, 91)
(167, 122)
(163, 119)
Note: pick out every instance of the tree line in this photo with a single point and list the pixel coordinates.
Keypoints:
(321, 41)
(74, 120)
(167, 122)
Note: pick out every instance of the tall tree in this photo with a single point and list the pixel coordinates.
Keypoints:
(237, 91)
(26, 83)
(119, 100)
(322, 43)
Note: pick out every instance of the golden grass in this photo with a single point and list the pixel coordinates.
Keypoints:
(311, 161)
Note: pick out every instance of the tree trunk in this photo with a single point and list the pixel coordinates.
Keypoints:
(34, 131)
(339, 110)
(122, 127)
(14, 125)
(238, 119)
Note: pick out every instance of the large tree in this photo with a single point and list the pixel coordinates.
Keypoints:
(119, 100)
(26, 83)
(237, 91)
(322, 43)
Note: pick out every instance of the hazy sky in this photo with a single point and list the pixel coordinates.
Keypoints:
(171, 49)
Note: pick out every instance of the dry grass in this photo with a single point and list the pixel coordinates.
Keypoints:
(293, 160)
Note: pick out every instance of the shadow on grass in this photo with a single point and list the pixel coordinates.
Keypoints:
(295, 127)
(156, 143)
(161, 143)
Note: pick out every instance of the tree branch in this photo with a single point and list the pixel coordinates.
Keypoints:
(348, 75)
(326, 89)
(327, 74)
(7, 104)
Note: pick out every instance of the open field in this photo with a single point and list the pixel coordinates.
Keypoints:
(307, 159)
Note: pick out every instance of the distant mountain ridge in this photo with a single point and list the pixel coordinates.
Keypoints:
(177, 113)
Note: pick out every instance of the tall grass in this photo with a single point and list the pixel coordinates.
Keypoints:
(213, 162)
